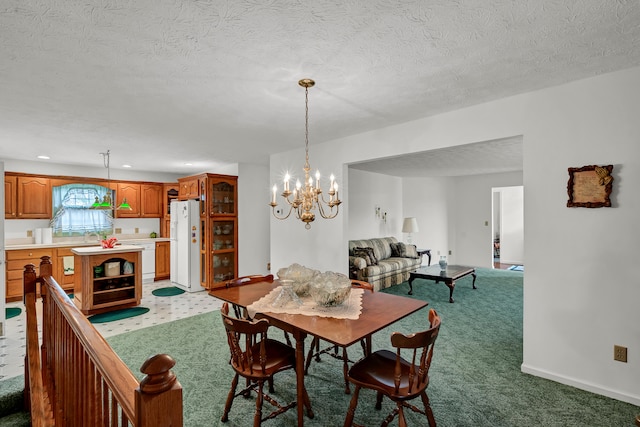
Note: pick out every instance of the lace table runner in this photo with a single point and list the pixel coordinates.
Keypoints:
(350, 309)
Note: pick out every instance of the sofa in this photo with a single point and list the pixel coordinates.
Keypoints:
(383, 261)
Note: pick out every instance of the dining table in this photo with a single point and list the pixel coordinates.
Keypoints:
(379, 310)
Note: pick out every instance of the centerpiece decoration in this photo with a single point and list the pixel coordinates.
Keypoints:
(300, 277)
(329, 288)
(109, 243)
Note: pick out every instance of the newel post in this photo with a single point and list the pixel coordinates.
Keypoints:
(159, 397)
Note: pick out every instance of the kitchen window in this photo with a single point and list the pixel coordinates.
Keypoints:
(73, 215)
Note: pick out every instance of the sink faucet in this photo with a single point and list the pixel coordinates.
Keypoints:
(88, 235)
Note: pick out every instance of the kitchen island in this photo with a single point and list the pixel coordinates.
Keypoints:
(110, 278)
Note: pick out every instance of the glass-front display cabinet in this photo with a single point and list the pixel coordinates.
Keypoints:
(222, 197)
(224, 254)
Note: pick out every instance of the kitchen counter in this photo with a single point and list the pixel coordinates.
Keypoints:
(80, 243)
(99, 250)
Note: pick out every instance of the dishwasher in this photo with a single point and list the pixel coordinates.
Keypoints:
(148, 260)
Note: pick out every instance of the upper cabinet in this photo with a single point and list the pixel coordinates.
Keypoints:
(33, 197)
(222, 196)
(145, 200)
(151, 198)
(189, 188)
(10, 197)
(129, 192)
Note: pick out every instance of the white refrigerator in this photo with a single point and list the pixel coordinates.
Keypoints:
(185, 245)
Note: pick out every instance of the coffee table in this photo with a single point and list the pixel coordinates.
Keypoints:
(447, 276)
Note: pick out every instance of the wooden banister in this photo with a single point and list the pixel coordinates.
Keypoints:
(83, 381)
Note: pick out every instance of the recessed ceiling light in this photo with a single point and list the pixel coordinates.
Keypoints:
(44, 157)
(126, 166)
(188, 164)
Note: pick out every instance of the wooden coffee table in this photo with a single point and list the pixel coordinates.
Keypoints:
(448, 276)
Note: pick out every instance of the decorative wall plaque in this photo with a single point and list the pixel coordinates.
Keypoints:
(590, 186)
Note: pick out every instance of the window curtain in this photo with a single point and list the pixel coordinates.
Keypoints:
(72, 213)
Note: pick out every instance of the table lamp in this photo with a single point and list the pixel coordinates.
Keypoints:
(410, 225)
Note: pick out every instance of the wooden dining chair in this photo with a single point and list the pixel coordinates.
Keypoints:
(389, 374)
(332, 350)
(257, 358)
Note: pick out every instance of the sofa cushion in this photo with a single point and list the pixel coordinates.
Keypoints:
(367, 254)
(381, 246)
(405, 251)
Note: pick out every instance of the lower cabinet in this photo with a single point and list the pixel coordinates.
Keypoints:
(16, 260)
(108, 281)
(163, 260)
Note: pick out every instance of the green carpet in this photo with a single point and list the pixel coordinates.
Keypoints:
(124, 313)
(475, 377)
(12, 312)
(167, 292)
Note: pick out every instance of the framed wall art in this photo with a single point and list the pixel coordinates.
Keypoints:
(590, 186)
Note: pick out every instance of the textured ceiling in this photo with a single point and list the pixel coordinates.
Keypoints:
(165, 82)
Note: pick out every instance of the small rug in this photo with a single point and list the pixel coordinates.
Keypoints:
(516, 268)
(167, 292)
(124, 313)
(12, 312)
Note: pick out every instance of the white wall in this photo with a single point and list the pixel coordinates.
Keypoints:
(368, 190)
(253, 216)
(574, 309)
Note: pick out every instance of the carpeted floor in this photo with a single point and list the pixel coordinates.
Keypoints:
(475, 377)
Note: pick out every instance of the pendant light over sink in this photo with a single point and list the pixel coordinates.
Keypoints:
(107, 203)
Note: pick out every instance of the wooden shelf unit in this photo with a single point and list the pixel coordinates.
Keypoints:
(104, 293)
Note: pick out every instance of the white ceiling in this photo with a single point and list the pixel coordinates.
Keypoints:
(211, 82)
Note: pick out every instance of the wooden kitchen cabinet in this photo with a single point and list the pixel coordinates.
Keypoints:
(170, 192)
(189, 188)
(16, 260)
(64, 278)
(33, 197)
(129, 191)
(97, 293)
(151, 200)
(10, 197)
(163, 260)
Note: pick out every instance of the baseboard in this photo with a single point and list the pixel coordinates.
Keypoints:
(634, 400)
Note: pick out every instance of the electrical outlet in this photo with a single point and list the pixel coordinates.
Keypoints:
(486, 223)
(137, 230)
(620, 353)
(118, 230)
(29, 233)
(449, 252)
(268, 266)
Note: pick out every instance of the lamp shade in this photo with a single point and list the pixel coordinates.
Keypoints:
(410, 225)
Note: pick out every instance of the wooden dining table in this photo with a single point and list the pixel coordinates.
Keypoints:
(379, 310)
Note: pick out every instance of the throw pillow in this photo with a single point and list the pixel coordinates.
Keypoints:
(411, 251)
(367, 254)
(398, 250)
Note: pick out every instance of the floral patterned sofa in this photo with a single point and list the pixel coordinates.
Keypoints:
(387, 262)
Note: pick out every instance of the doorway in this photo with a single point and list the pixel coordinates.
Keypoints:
(507, 243)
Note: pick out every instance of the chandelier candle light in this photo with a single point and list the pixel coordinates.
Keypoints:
(307, 199)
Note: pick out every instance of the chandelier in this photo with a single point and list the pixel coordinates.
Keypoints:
(107, 203)
(305, 200)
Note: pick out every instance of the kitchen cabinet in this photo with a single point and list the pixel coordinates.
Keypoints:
(130, 192)
(33, 197)
(189, 188)
(10, 197)
(170, 192)
(163, 260)
(16, 260)
(151, 200)
(220, 222)
(100, 288)
(64, 272)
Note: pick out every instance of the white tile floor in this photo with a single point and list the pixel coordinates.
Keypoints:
(161, 310)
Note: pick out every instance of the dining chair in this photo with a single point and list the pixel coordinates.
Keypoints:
(332, 350)
(257, 358)
(389, 374)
